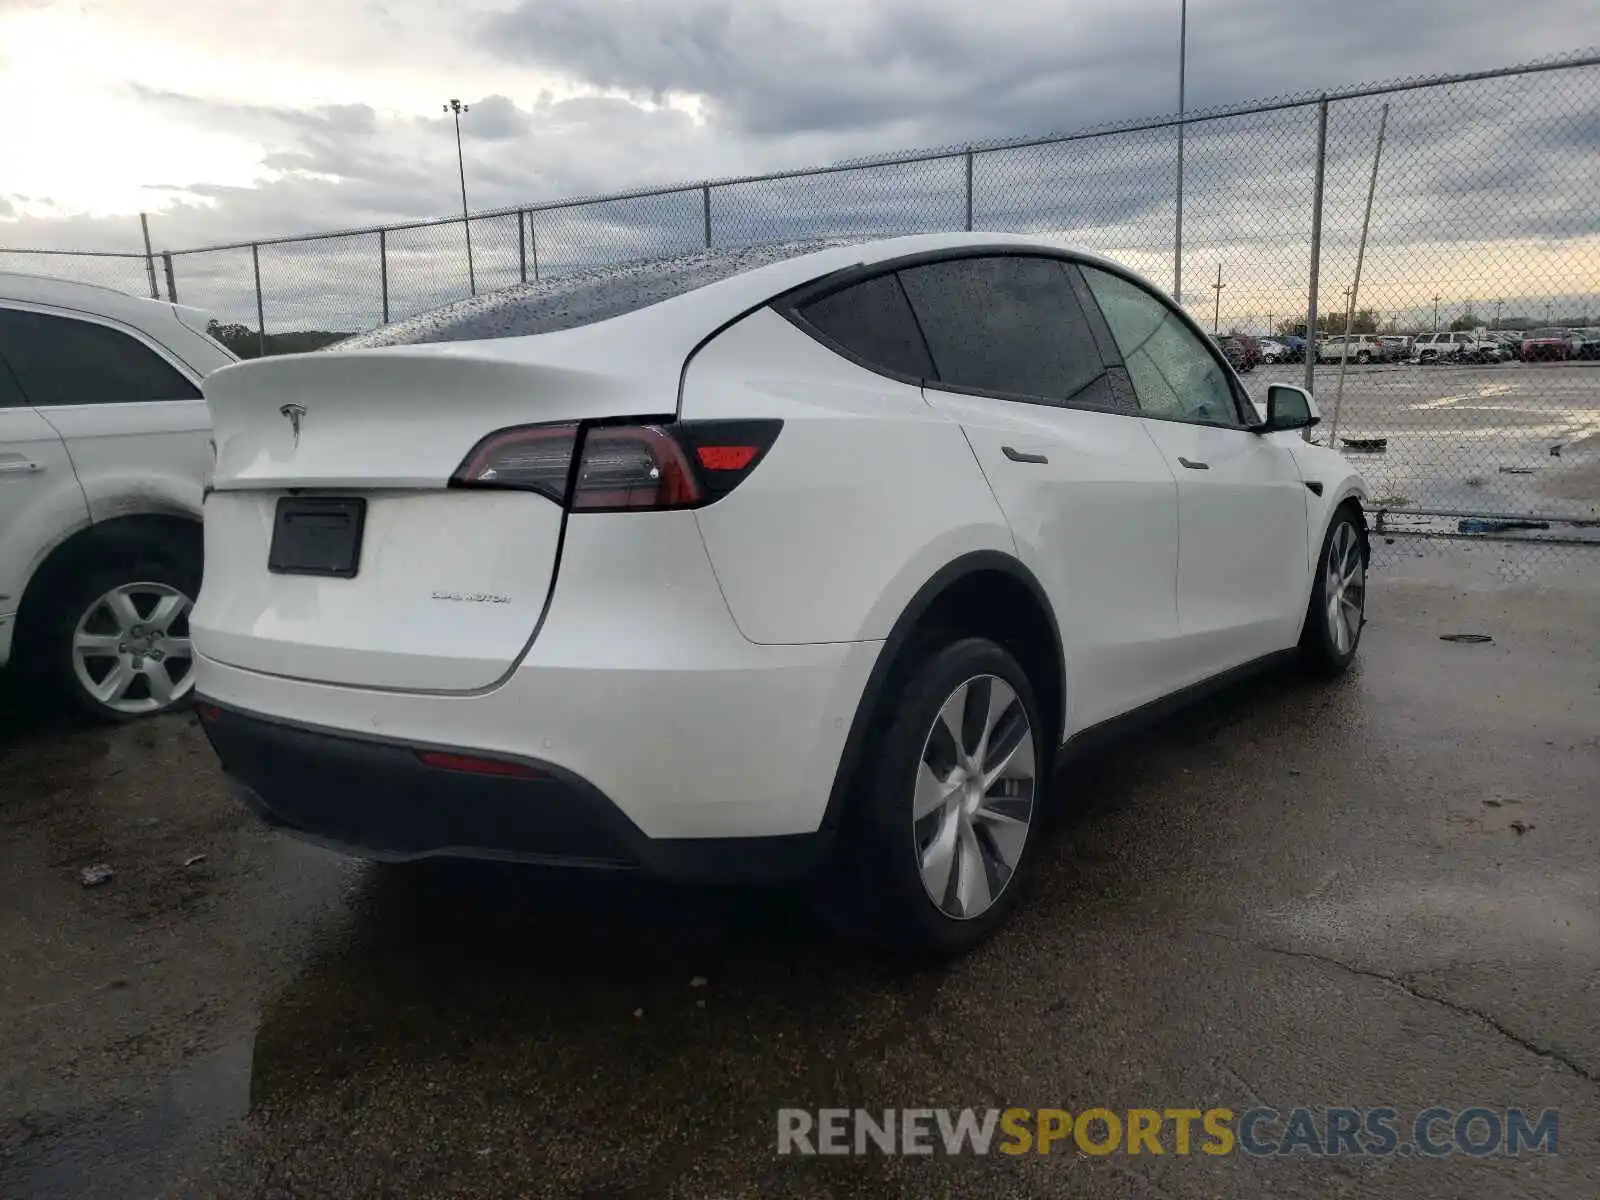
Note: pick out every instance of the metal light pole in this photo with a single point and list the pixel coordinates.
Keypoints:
(1183, 59)
(1216, 310)
(456, 107)
(1436, 314)
(1497, 305)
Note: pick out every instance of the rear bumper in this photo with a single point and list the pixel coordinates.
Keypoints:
(377, 798)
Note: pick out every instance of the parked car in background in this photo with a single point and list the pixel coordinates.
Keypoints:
(1233, 350)
(104, 446)
(1456, 347)
(1275, 351)
(1296, 345)
(752, 564)
(1396, 346)
(1353, 347)
(1251, 348)
(1547, 345)
(1586, 342)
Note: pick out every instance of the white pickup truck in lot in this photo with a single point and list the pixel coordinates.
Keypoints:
(104, 446)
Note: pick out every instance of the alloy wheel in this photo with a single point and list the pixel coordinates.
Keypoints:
(131, 649)
(1345, 587)
(973, 804)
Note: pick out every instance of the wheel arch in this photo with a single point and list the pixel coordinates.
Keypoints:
(1016, 613)
(92, 544)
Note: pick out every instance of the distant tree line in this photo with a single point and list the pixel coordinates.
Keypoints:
(246, 342)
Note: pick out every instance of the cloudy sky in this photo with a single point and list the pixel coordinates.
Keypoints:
(255, 118)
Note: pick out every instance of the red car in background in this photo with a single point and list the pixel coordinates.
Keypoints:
(1546, 344)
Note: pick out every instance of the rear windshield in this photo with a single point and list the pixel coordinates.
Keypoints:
(580, 297)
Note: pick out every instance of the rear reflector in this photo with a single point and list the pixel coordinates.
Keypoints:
(621, 467)
(473, 765)
(726, 458)
(208, 712)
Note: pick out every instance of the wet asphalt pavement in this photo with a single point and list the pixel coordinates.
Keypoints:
(1293, 894)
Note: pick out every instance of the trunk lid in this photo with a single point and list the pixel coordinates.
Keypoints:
(447, 585)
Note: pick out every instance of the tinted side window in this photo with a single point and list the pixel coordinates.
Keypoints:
(873, 321)
(1007, 324)
(58, 360)
(10, 395)
(1173, 372)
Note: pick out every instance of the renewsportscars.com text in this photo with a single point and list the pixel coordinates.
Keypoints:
(1380, 1132)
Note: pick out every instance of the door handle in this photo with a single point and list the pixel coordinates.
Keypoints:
(1022, 456)
(19, 468)
(1194, 466)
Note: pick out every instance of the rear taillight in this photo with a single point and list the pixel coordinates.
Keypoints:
(621, 466)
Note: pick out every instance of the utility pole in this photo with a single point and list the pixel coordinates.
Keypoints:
(1216, 311)
(1436, 314)
(1183, 61)
(1497, 305)
(1547, 307)
(456, 107)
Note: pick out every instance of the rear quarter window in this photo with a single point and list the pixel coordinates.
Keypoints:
(872, 321)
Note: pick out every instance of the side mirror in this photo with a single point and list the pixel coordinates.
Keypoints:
(1288, 407)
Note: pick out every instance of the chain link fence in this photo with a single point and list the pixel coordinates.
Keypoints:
(1476, 216)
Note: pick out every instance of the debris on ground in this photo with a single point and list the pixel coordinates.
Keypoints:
(194, 860)
(699, 981)
(1366, 445)
(1491, 804)
(1521, 826)
(1470, 639)
(96, 875)
(1516, 470)
(638, 1013)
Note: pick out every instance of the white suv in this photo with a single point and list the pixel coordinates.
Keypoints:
(104, 443)
(1460, 346)
(752, 563)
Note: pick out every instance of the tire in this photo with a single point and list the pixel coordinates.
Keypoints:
(1332, 631)
(1270, 359)
(877, 888)
(91, 611)
(1363, 358)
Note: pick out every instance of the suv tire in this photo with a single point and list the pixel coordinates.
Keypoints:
(931, 830)
(1337, 610)
(123, 624)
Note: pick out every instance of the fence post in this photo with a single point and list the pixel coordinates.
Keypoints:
(261, 318)
(533, 246)
(149, 258)
(522, 246)
(383, 270)
(172, 287)
(705, 203)
(969, 190)
(1316, 244)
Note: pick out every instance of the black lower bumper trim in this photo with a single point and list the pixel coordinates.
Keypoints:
(376, 798)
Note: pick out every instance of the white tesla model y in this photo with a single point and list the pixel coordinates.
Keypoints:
(752, 564)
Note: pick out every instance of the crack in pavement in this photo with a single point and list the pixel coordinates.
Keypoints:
(1400, 982)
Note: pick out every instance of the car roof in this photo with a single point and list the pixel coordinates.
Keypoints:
(90, 298)
(684, 297)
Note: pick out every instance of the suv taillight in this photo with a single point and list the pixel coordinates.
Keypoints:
(620, 467)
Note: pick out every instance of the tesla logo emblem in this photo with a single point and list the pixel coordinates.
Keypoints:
(294, 412)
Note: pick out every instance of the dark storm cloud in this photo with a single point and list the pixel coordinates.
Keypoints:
(944, 70)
